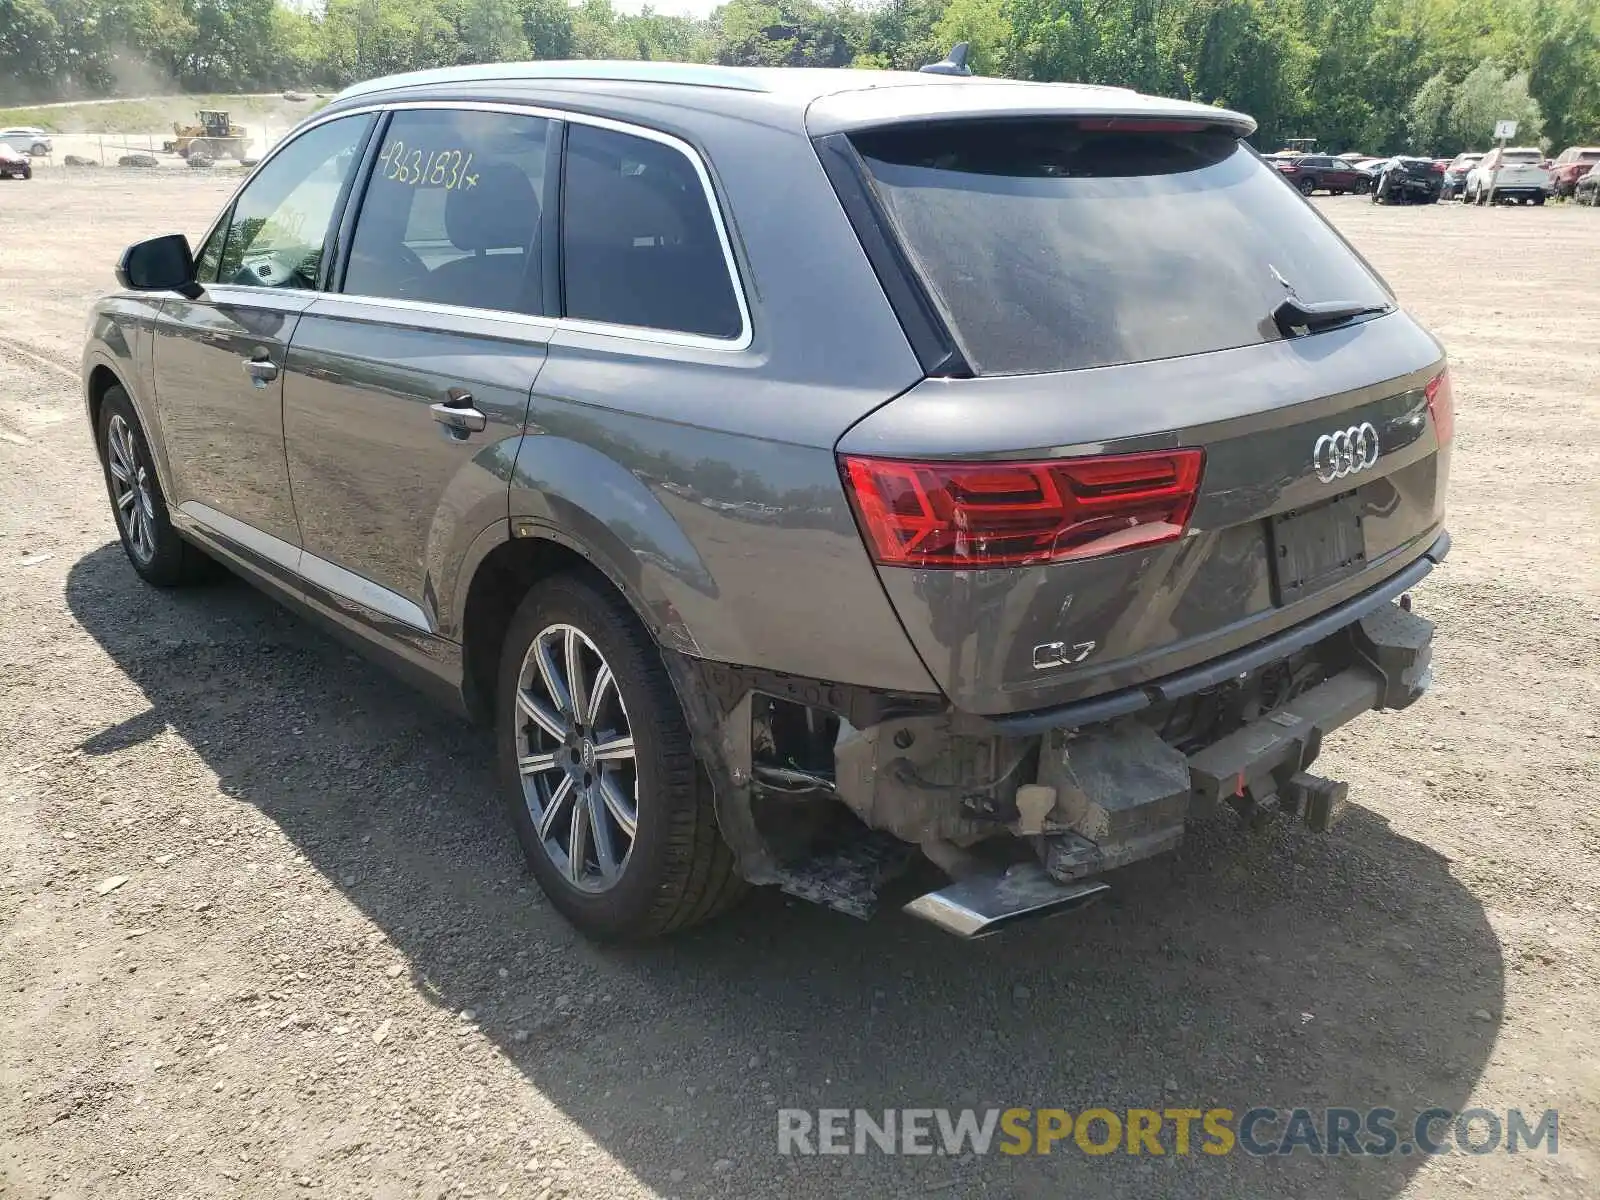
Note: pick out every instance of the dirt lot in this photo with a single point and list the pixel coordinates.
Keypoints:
(327, 973)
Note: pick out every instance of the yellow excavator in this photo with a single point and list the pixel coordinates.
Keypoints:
(216, 136)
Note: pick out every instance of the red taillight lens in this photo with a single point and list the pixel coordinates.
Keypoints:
(1442, 405)
(1006, 514)
(1288, 170)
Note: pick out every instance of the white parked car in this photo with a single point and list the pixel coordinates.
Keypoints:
(27, 140)
(1509, 173)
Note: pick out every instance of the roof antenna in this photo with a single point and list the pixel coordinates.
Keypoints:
(955, 63)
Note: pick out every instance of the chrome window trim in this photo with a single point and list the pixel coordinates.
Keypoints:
(329, 576)
(545, 327)
(637, 333)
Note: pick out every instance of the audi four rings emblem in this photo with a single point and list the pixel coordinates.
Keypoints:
(1345, 451)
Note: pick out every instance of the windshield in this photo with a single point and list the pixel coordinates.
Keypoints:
(1052, 247)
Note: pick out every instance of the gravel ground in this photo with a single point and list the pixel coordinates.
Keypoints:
(325, 972)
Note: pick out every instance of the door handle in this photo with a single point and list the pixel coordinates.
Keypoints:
(262, 371)
(458, 413)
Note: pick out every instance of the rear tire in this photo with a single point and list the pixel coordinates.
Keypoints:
(1307, 186)
(674, 869)
(152, 544)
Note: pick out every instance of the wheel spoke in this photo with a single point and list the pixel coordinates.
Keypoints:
(577, 698)
(125, 499)
(605, 855)
(551, 677)
(602, 681)
(536, 764)
(114, 463)
(578, 839)
(618, 749)
(617, 804)
(552, 810)
(550, 722)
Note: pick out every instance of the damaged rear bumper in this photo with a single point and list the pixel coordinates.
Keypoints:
(827, 790)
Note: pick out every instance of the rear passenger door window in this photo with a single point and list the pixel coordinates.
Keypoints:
(453, 211)
(640, 245)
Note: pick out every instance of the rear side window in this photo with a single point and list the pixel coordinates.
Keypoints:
(452, 212)
(1052, 247)
(639, 244)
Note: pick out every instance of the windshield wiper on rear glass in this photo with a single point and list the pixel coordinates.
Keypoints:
(1294, 317)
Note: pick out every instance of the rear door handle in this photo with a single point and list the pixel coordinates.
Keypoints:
(459, 413)
(262, 371)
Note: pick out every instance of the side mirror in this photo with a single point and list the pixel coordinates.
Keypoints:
(162, 264)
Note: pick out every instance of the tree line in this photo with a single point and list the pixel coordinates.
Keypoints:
(1430, 76)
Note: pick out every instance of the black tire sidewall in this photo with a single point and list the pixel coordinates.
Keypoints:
(626, 910)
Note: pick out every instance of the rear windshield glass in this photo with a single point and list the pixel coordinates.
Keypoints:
(1053, 247)
(1523, 156)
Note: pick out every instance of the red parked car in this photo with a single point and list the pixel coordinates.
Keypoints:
(1571, 165)
(1320, 173)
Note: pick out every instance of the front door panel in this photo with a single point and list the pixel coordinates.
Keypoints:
(223, 426)
(219, 356)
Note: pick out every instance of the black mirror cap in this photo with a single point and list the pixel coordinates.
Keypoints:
(161, 264)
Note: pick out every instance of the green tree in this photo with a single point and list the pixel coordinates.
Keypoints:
(1487, 95)
(983, 25)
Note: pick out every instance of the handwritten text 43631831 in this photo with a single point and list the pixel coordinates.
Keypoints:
(447, 169)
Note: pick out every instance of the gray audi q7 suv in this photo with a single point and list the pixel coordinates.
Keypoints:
(808, 473)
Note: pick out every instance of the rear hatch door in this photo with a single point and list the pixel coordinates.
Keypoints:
(1521, 172)
(1133, 466)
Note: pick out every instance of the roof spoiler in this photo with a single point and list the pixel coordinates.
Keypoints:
(954, 63)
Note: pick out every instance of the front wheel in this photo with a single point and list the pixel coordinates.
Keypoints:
(152, 544)
(613, 812)
(1307, 186)
(38, 149)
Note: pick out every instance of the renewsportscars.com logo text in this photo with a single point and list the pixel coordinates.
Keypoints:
(1216, 1131)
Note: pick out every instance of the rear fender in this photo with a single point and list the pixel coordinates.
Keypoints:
(570, 493)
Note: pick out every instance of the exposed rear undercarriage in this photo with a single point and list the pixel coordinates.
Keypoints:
(828, 791)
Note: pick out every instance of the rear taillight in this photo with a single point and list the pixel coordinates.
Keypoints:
(1442, 406)
(1289, 170)
(1006, 514)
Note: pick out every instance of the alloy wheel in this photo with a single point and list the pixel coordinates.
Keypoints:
(130, 488)
(575, 754)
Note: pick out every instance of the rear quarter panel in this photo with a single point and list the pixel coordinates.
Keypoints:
(704, 477)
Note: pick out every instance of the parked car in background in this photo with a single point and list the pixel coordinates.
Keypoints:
(744, 612)
(1509, 174)
(27, 140)
(1571, 165)
(14, 165)
(1455, 175)
(1406, 180)
(1587, 189)
(1322, 173)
